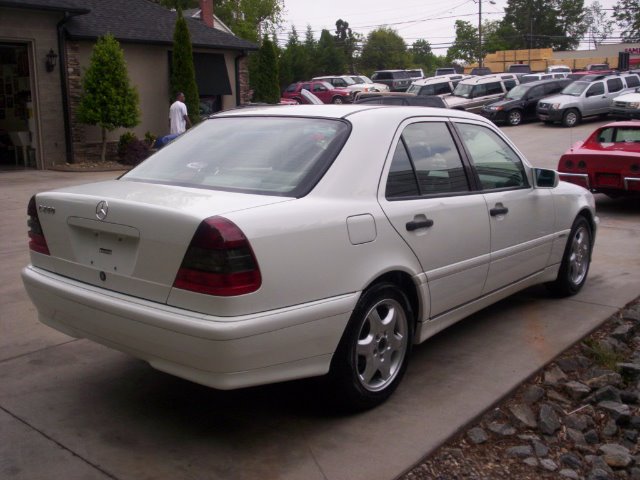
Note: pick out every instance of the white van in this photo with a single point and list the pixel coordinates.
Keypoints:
(439, 85)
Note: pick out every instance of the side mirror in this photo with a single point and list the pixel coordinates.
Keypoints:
(545, 178)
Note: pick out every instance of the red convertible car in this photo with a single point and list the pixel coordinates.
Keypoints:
(608, 161)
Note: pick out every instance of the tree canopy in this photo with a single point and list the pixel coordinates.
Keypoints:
(250, 19)
(598, 24)
(466, 45)
(266, 86)
(108, 99)
(556, 24)
(384, 49)
(627, 15)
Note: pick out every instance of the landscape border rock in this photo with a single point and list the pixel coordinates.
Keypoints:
(578, 418)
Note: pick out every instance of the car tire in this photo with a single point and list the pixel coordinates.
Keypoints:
(575, 261)
(374, 350)
(514, 117)
(571, 118)
(337, 100)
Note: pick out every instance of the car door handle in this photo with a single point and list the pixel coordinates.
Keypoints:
(416, 224)
(499, 209)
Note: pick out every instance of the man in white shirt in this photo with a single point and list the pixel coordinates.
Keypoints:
(178, 117)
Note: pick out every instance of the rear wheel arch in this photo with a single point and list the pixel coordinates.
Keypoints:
(403, 281)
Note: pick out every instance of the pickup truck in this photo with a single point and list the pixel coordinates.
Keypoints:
(585, 98)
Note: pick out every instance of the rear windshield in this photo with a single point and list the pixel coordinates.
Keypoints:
(283, 156)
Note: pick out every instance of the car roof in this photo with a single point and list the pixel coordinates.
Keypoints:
(546, 81)
(442, 78)
(349, 111)
(489, 78)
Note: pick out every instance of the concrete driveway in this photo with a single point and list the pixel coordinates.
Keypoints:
(73, 409)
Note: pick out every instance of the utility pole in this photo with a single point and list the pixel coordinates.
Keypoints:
(480, 59)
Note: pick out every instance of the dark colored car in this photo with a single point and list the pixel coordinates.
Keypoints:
(323, 90)
(520, 102)
(520, 68)
(396, 80)
(480, 71)
(409, 99)
(607, 161)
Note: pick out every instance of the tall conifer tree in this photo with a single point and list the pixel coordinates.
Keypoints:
(108, 100)
(183, 74)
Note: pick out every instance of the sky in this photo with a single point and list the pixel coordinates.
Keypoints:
(432, 20)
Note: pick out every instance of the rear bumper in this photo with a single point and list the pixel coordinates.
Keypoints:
(220, 352)
(630, 185)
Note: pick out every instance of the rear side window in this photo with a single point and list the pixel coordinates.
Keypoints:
(632, 81)
(292, 87)
(493, 88)
(509, 84)
(497, 164)
(426, 162)
(614, 84)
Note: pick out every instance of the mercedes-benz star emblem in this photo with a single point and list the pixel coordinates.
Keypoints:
(102, 210)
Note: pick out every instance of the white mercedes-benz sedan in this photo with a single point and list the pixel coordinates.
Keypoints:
(276, 243)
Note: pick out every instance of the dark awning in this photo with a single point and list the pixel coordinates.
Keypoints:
(211, 74)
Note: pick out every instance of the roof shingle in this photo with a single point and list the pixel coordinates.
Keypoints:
(136, 21)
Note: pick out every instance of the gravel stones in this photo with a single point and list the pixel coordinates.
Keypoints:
(579, 418)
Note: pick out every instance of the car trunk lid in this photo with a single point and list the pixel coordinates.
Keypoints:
(126, 236)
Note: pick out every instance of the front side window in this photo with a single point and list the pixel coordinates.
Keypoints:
(263, 155)
(536, 92)
(595, 89)
(497, 164)
(463, 90)
(517, 93)
(436, 166)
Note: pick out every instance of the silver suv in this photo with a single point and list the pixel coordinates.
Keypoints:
(396, 80)
(584, 98)
(473, 93)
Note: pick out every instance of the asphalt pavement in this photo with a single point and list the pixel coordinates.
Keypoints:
(76, 410)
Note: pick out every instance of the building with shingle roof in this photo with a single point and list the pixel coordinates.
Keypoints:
(38, 127)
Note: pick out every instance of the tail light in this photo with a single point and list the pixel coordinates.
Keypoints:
(37, 242)
(568, 164)
(582, 164)
(219, 261)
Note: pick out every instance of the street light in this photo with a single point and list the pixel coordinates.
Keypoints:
(481, 58)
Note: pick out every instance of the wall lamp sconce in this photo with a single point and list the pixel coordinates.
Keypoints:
(51, 60)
